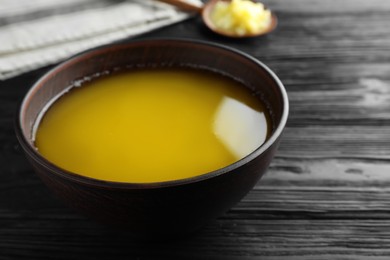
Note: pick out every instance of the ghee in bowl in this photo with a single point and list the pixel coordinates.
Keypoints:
(148, 206)
(195, 120)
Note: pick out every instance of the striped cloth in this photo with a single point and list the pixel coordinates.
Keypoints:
(35, 33)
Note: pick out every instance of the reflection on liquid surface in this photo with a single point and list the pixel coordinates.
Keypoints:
(239, 127)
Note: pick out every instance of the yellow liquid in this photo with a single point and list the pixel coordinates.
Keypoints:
(152, 126)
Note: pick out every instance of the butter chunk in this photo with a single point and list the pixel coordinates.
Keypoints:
(240, 17)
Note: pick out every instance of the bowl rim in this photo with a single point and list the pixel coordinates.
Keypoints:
(27, 146)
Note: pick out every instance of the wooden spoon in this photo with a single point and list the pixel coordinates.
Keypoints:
(206, 11)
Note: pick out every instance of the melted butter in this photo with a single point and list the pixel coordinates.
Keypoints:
(152, 125)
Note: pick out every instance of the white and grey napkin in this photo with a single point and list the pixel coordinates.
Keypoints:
(35, 33)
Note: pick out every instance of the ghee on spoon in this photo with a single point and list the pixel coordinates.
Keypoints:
(232, 18)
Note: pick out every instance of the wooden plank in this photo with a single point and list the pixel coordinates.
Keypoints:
(336, 142)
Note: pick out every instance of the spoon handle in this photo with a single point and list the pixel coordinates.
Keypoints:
(183, 5)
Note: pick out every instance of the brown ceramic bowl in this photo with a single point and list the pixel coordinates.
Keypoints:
(167, 208)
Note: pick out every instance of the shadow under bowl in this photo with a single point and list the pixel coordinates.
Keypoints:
(162, 208)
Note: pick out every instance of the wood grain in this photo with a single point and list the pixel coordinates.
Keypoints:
(326, 194)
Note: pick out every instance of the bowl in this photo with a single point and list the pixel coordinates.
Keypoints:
(162, 208)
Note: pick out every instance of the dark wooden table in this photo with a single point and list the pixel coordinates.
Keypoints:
(327, 192)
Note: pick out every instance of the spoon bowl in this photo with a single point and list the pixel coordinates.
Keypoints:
(206, 11)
